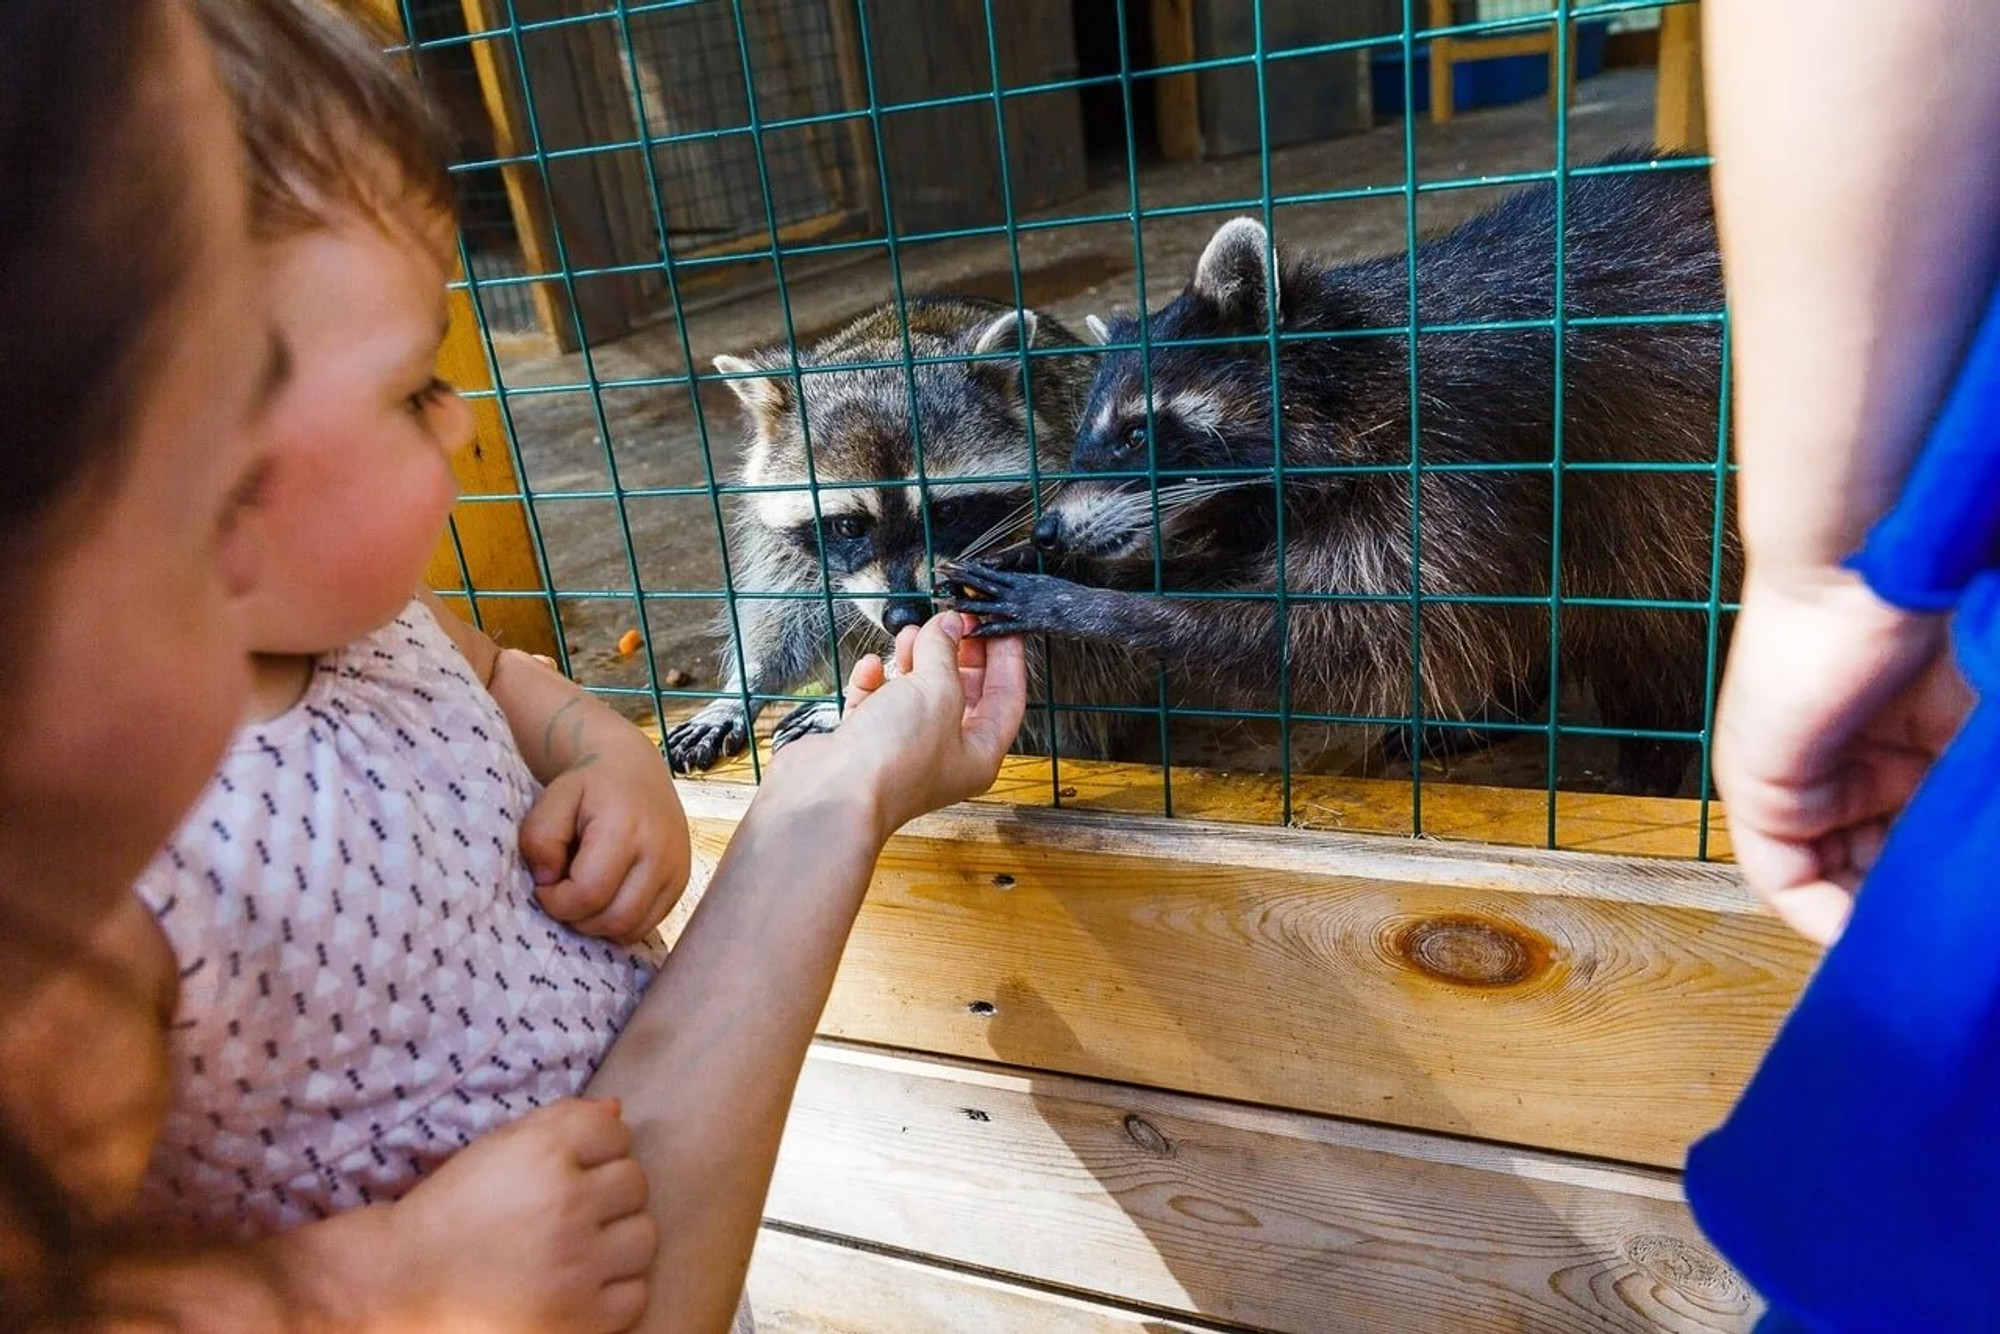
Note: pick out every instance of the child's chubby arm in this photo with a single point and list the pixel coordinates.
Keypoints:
(607, 840)
(538, 1226)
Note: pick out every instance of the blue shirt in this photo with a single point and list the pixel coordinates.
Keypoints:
(1856, 1184)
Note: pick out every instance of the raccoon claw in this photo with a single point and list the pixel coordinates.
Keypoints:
(1005, 603)
(812, 719)
(1018, 558)
(714, 734)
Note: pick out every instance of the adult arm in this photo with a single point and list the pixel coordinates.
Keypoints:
(706, 1068)
(1857, 188)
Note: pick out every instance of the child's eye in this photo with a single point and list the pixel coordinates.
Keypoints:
(426, 398)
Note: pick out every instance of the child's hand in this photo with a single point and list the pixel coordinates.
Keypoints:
(607, 841)
(929, 733)
(538, 1226)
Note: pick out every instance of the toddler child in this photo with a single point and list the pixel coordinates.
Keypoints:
(410, 908)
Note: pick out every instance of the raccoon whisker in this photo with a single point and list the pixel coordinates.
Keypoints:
(1010, 523)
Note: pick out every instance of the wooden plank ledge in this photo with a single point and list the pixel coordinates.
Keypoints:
(1241, 1216)
(1610, 1006)
(803, 1284)
(1460, 812)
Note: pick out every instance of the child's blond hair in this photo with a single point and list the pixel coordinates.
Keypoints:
(328, 120)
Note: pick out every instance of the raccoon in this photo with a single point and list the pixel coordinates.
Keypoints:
(1637, 244)
(972, 418)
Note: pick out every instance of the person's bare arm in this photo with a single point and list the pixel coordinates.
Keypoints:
(707, 1066)
(1857, 185)
(1858, 194)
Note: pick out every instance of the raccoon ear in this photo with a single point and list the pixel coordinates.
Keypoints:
(1234, 272)
(765, 398)
(1008, 332)
(1100, 332)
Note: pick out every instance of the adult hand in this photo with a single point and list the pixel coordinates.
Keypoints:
(1833, 708)
(928, 734)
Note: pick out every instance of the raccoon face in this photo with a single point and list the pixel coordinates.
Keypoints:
(874, 542)
(1208, 438)
(865, 428)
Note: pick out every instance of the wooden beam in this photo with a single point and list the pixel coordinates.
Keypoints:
(818, 1285)
(527, 201)
(845, 28)
(499, 550)
(494, 534)
(1459, 812)
(1262, 1219)
(1598, 1005)
(1680, 118)
(1177, 97)
(1443, 100)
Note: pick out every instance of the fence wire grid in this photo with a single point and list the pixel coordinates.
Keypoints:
(767, 156)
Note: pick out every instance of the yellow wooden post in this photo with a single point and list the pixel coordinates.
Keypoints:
(1442, 106)
(1177, 96)
(1680, 120)
(499, 548)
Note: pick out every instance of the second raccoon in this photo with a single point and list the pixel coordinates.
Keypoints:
(1475, 538)
(862, 502)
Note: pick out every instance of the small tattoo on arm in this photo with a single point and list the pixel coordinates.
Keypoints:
(549, 731)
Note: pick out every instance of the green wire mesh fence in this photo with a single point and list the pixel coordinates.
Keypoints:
(695, 177)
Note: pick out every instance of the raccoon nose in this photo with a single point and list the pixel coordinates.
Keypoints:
(1047, 533)
(903, 613)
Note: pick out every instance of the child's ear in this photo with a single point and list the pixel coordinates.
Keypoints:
(1009, 331)
(1234, 274)
(766, 395)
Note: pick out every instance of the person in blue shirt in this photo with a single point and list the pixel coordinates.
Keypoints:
(1856, 1184)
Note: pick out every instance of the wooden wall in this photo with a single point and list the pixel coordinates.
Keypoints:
(1085, 1071)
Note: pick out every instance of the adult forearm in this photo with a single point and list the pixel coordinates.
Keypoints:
(1858, 194)
(706, 1068)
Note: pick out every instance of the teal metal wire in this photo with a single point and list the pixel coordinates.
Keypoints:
(1416, 720)
(997, 97)
(668, 268)
(1281, 608)
(596, 388)
(1050, 685)
(1559, 75)
(1145, 346)
(547, 593)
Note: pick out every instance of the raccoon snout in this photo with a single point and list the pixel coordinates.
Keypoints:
(1048, 533)
(903, 613)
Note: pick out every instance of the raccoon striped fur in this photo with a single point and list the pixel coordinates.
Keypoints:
(866, 507)
(1478, 521)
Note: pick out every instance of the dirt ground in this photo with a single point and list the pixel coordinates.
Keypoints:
(652, 436)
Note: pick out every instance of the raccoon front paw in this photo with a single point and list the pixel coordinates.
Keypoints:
(717, 732)
(806, 720)
(1007, 602)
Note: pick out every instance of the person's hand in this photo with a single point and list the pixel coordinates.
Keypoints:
(607, 840)
(538, 1226)
(1833, 708)
(925, 730)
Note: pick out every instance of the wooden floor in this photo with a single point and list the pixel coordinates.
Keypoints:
(1091, 1070)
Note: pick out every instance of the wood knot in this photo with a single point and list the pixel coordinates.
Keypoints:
(1687, 1267)
(980, 1008)
(1148, 1137)
(1003, 881)
(1470, 951)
